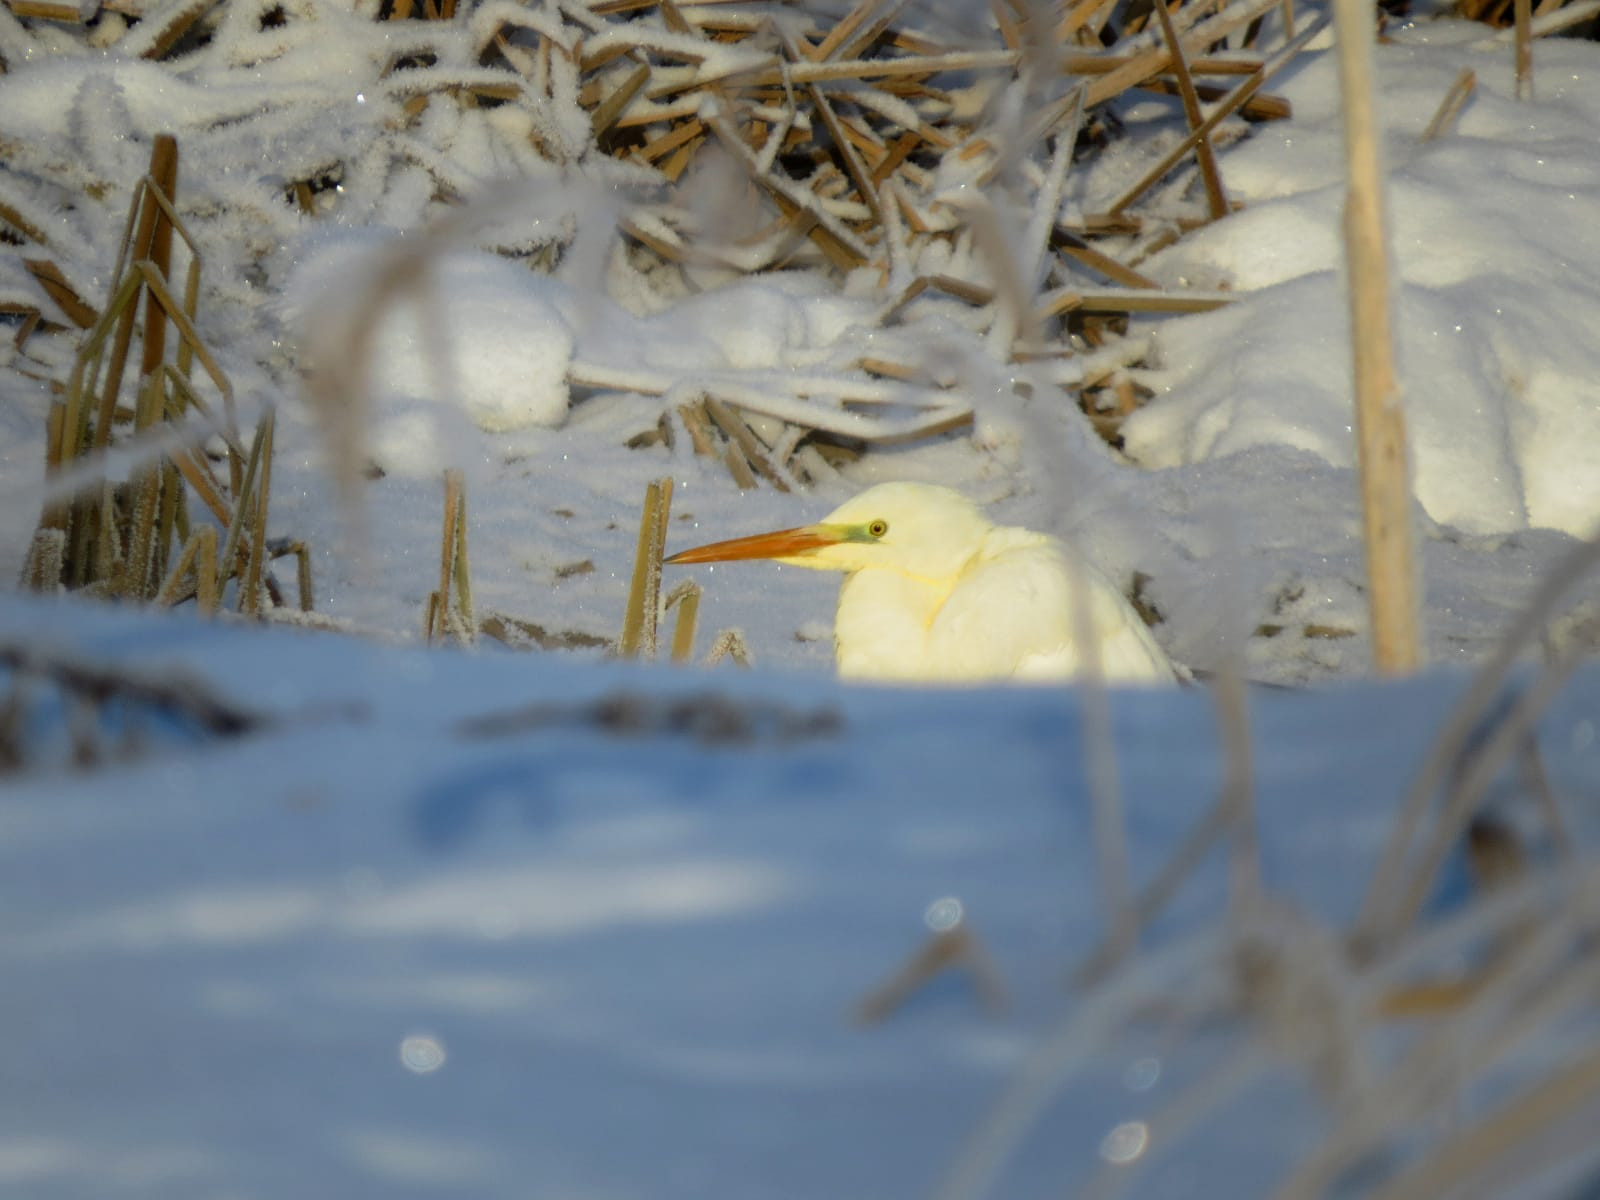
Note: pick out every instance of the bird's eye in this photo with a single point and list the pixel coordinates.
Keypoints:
(878, 528)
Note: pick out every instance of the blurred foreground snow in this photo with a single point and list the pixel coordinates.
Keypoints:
(498, 925)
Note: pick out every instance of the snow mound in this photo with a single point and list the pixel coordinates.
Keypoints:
(1500, 376)
(467, 324)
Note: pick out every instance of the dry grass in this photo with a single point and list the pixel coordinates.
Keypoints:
(843, 134)
(134, 540)
(644, 592)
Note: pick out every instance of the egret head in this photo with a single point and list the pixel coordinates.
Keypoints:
(918, 529)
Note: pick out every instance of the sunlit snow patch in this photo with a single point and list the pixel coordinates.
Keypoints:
(460, 331)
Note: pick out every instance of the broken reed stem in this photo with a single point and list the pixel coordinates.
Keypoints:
(172, 514)
(606, 113)
(442, 615)
(105, 547)
(439, 609)
(139, 579)
(1380, 422)
(199, 554)
(140, 246)
(302, 554)
(728, 644)
(1450, 107)
(639, 622)
(742, 437)
(1235, 100)
(467, 624)
(256, 509)
(693, 416)
(1216, 198)
(239, 525)
(1523, 10)
(164, 176)
(47, 10)
(945, 950)
(686, 598)
(41, 570)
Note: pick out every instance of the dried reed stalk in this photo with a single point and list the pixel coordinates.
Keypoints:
(1450, 107)
(957, 949)
(450, 608)
(41, 569)
(686, 599)
(49, 277)
(749, 446)
(728, 644)
(152, 241)
(1070, 245)
(785, 397)
(1235, 100)
(119, 540)
(47, 10)
(241, 542)
(162, 30)
(250, 589)
(644, 592)
(1380, 422)
(199, 555)
(1524, 21)
(1216, 198)
(840, 127)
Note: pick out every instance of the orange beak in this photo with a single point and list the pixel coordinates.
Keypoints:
(784, 543)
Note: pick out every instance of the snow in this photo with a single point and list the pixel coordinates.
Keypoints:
(1497, 261)
(466, 327)
(442, 925)
(504, 924)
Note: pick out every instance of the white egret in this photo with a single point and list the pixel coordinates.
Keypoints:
(934, 591)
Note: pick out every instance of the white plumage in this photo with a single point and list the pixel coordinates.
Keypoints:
(934, 591)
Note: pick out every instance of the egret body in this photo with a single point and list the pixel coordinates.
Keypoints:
(934, 591)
